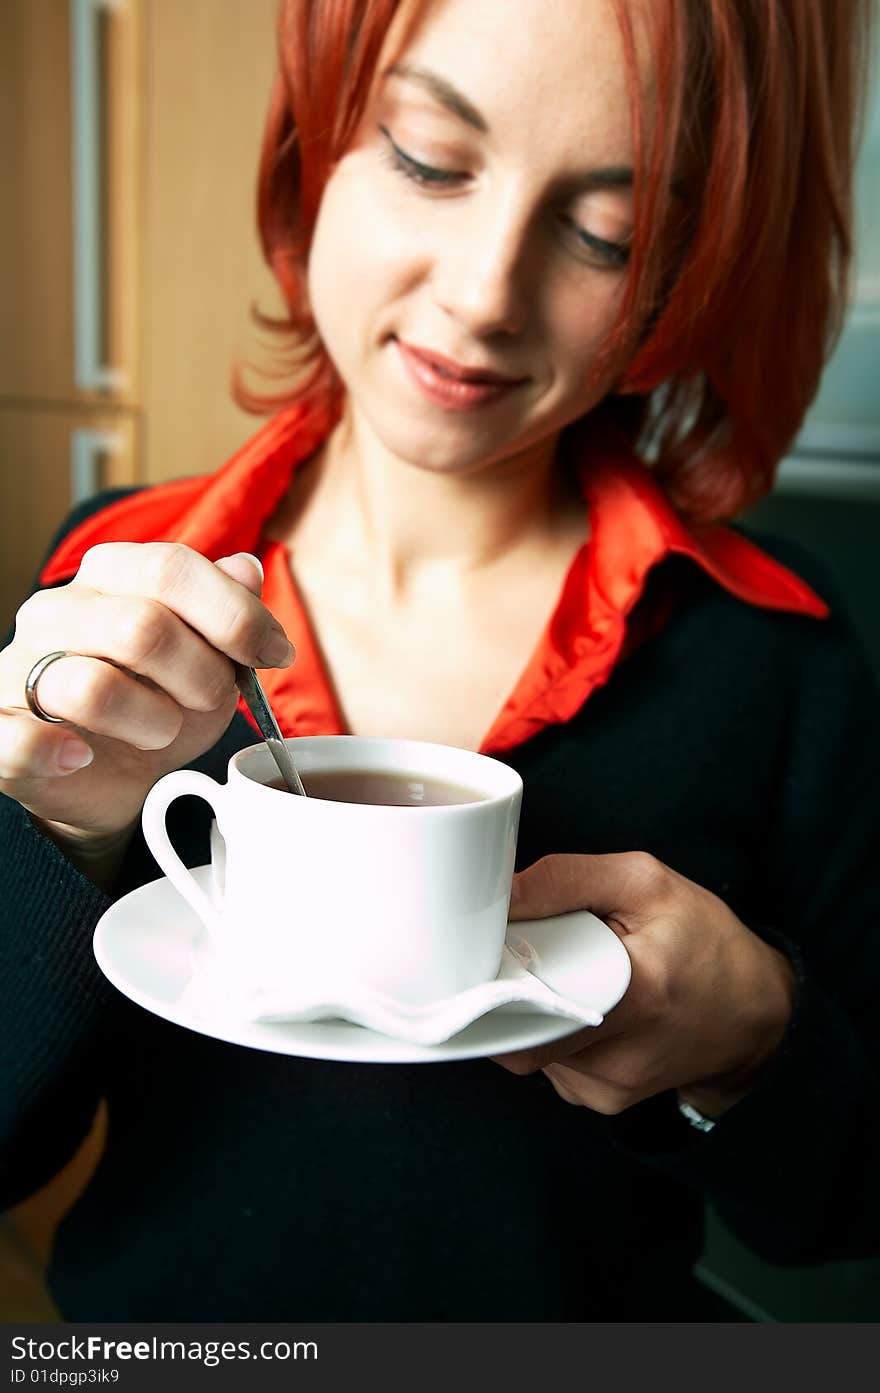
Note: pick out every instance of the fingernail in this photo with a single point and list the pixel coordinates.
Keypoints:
(249, 556)
(74, 754)
(276, 651)
(256, 560)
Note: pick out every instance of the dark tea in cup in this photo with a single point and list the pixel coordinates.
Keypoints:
(384, 787)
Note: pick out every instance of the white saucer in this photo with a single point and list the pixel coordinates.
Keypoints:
(147, 942)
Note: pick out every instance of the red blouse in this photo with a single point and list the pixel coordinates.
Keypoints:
(632, 527)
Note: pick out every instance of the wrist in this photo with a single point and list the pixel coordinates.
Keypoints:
(97, 856)
(773, 1003)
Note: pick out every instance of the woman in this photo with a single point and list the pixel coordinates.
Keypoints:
(557, 318)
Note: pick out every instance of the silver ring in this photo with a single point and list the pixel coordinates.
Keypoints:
(33, 677)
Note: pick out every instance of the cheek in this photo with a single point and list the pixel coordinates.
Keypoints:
(579, 327)
(333, 260)
(362, 250)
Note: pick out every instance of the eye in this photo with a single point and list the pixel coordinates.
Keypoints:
(613, 255)
(425, 175)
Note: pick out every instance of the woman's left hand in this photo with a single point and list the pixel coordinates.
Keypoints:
(707, 1004)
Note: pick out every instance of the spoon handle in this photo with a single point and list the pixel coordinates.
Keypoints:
(249, 686)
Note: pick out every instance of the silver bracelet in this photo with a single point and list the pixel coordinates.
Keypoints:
(695, 1118)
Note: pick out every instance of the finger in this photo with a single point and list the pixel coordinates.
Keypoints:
(105, 700)
(609, 1078)
(582, 1046)
(31, 749)
(582, 1090)
(531, 1060)
(565, 1086)
(219, 608)
(618, 887)
(244, 567)
(137, 634)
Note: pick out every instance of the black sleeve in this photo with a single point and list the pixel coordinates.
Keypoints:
(793, 1168)
(53, 999)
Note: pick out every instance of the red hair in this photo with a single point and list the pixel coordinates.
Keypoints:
(749, 161)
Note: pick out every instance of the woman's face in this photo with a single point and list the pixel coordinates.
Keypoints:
(470, 252)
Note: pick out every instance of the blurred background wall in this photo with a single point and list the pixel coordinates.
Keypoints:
(129, 134)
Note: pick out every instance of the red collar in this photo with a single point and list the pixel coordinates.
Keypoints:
(632, 528)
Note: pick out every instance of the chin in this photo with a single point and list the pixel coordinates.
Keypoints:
(436, 461)
(452, 450)
(443, 459)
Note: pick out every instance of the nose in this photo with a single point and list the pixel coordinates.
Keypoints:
(480, 273)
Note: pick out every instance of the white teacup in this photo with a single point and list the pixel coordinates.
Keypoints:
(409, 901)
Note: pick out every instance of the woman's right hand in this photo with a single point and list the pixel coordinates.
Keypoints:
(155, 628)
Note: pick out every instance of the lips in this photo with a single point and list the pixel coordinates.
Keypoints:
(454, 386)
(460, 372)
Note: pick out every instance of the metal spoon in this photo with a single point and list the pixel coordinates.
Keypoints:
(249, 685)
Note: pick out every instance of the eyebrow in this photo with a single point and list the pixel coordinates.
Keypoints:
(442, 91)
(611, 177)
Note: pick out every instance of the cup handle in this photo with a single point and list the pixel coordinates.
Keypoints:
(156, 804)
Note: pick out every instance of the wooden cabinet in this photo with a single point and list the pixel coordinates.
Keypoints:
(69, 184)
(36, 232)
(49, 453)
(129, 138)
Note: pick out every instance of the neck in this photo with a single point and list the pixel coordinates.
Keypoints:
(406, 521)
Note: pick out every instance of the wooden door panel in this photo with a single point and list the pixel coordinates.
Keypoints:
(37, 306)
(36, 452)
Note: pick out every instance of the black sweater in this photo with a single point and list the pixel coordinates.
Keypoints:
(738, 745)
